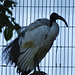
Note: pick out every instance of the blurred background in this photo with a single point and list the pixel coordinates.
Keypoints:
(60, 60)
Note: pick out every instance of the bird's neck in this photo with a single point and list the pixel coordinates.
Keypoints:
(54, 30)
(51, 22)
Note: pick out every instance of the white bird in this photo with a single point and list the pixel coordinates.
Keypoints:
(31, 46)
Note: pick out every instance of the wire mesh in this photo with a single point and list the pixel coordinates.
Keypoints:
(60, 59)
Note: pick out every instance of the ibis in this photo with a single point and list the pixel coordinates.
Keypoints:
(32, 44)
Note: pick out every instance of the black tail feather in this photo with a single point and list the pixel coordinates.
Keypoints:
(25, 72)
(11, 52)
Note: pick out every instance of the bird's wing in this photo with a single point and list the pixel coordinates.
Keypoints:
(35, 41)
(33, 25)
(12, 49)
(23, 49)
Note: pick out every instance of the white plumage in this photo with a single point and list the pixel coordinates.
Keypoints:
(34, 41)
(38, 38)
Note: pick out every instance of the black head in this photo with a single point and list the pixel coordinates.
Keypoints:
(55, 16)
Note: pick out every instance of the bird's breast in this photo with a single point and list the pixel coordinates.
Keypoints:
(49, 39)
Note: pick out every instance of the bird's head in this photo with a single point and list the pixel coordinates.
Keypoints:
(55, 16)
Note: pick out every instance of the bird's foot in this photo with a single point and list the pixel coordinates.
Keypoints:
(38, 73)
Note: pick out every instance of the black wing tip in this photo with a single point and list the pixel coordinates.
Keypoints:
(23, 72)
(26, 72)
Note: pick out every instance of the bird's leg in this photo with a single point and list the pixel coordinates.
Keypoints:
(56, 55)
(36, 62)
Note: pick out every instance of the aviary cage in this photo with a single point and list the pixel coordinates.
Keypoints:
(60, 60)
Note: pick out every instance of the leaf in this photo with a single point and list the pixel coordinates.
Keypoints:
(9, 3)
(0, 30)
(12, 19)
(8, 23)
(1, 0)
(2, 10)
(17, 27)
(1, 20)
(10, 12)
(8, 34)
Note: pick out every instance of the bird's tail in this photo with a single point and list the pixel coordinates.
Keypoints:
(25, 73)
(11, 52)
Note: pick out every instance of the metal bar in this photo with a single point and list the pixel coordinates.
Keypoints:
(72, 40)
(60, 40)
(23, 14)
(49, 6)
(27, 14)
(64, 40)
(68, 39)
(30, 11)
(43, 66)
(34, 9)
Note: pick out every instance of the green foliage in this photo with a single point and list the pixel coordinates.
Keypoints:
(7, 21)
(8, 33)
(9, 3)
(1, 0)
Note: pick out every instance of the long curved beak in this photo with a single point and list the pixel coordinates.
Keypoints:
(61, 18)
